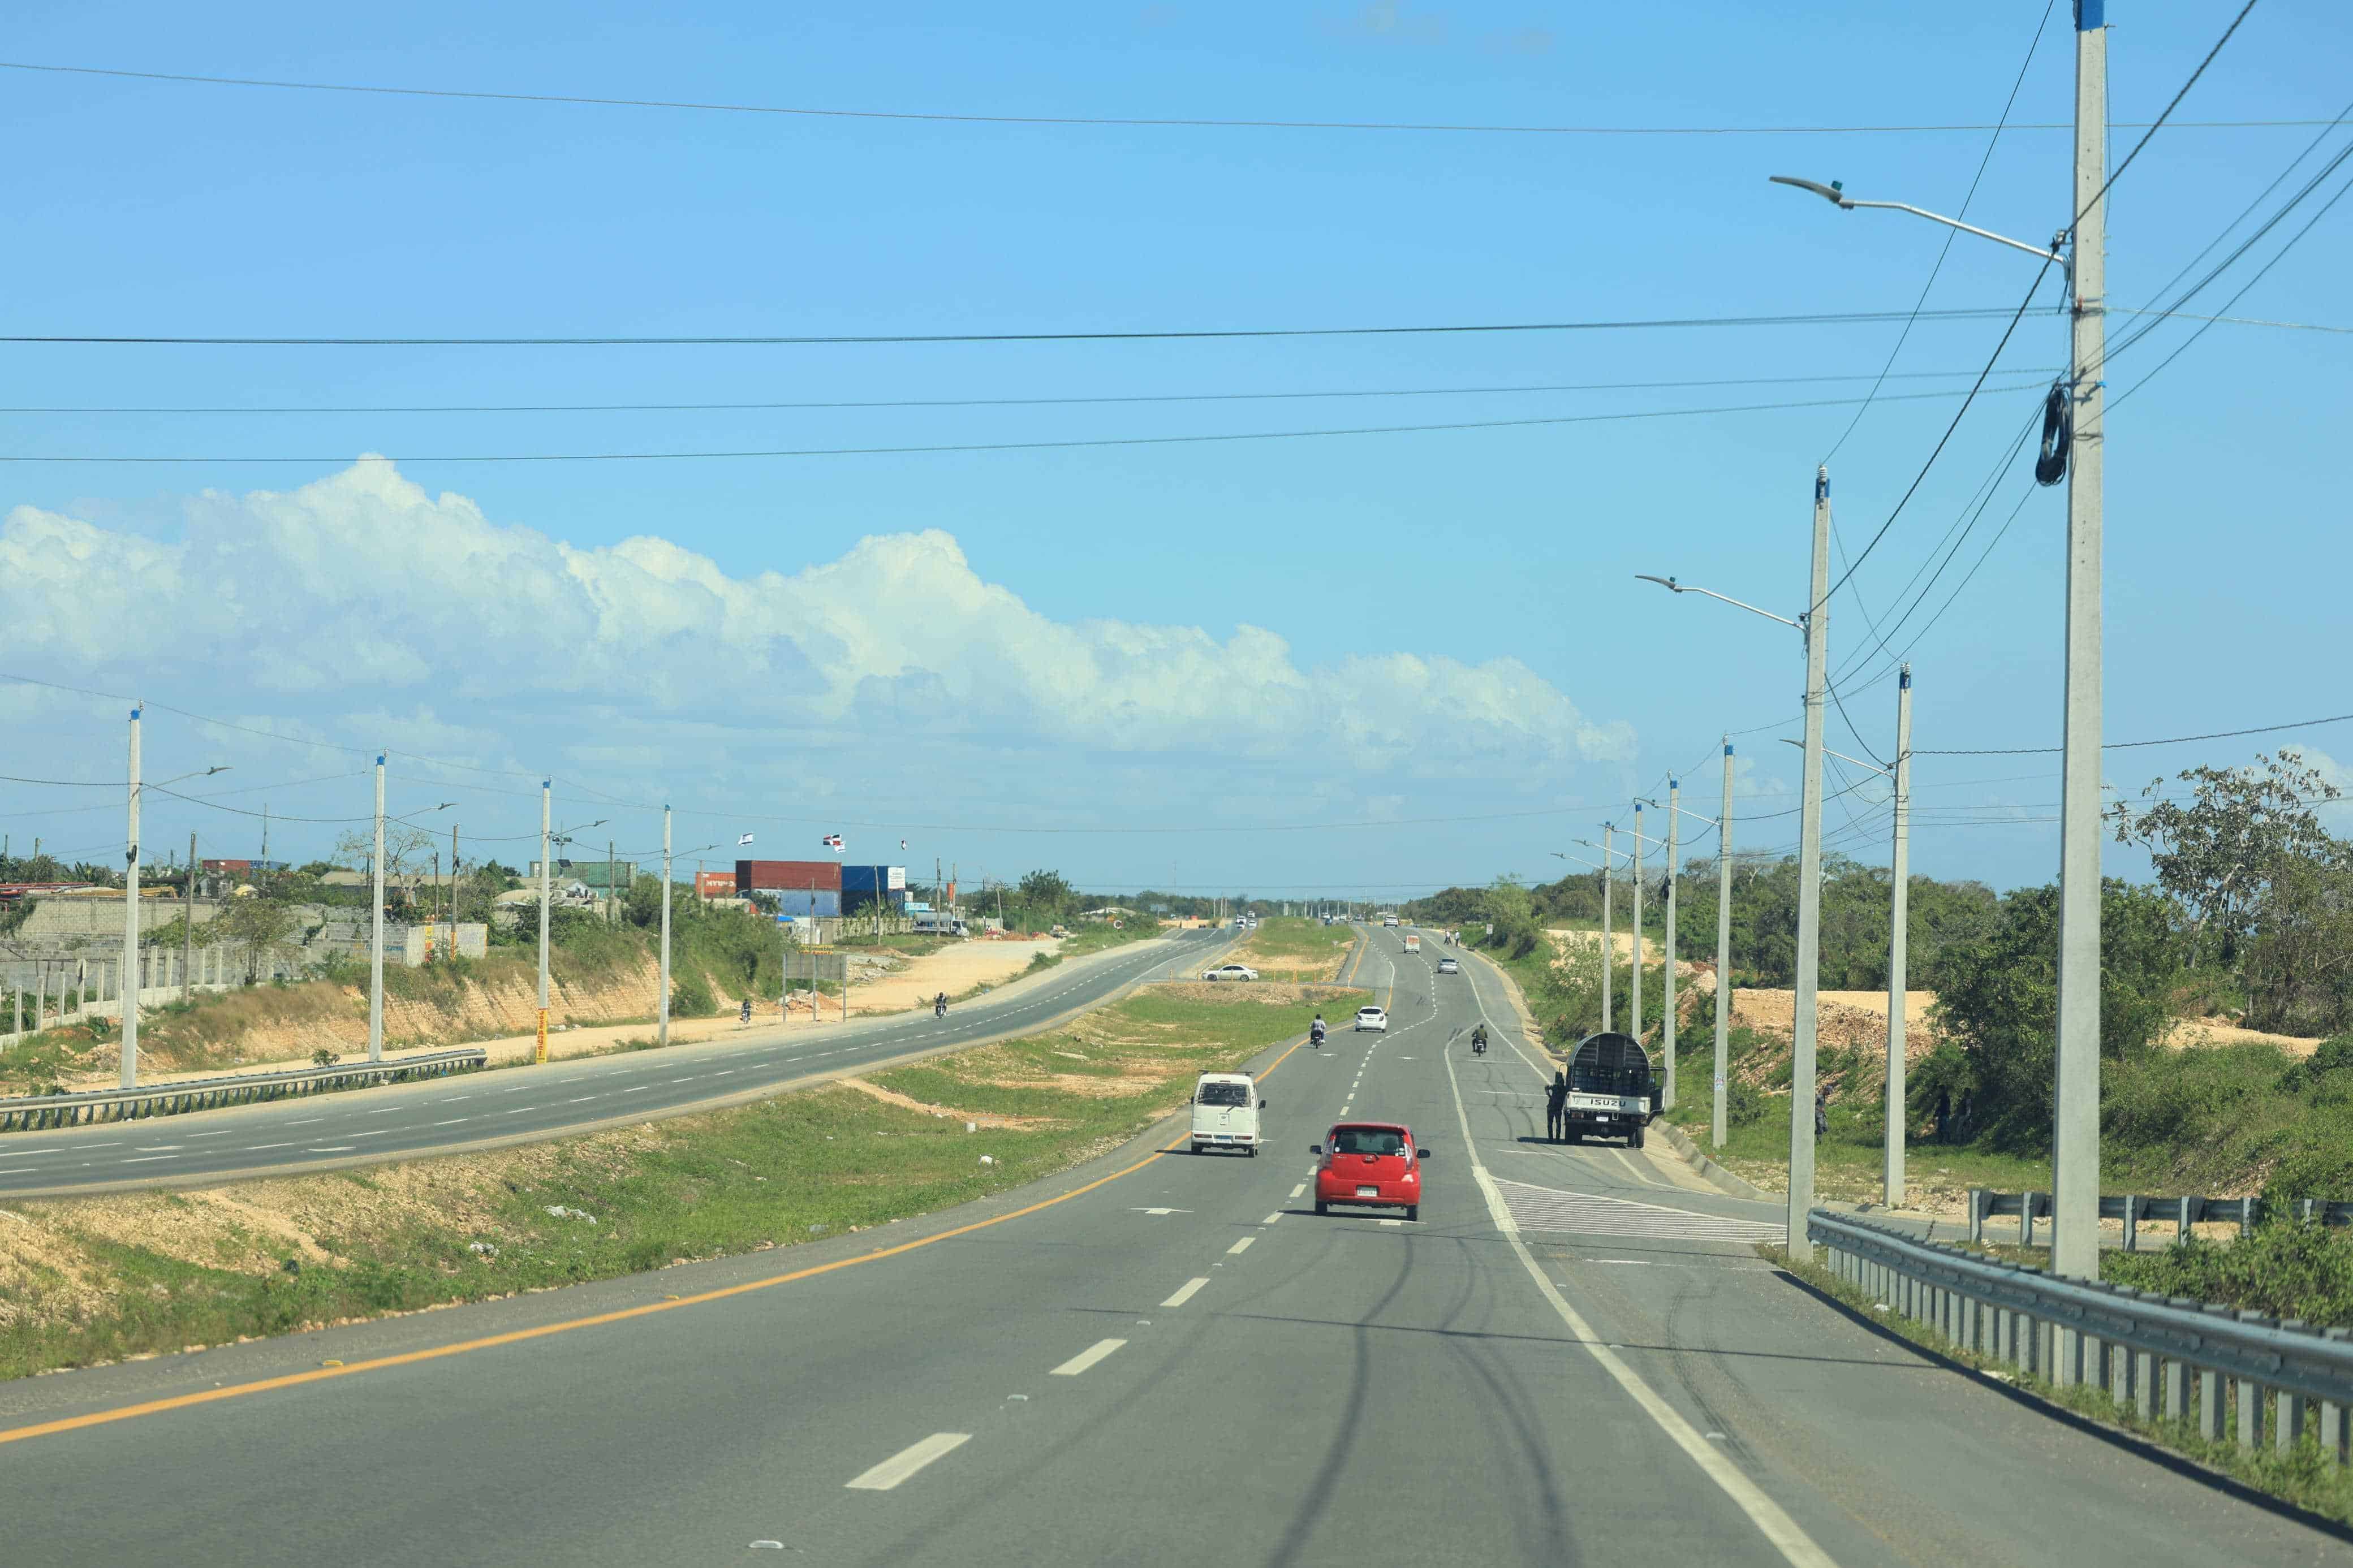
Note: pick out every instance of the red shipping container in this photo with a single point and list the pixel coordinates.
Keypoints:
(796, 875)
(714, 884)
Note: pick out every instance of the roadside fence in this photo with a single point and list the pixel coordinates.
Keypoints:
(28, 1114)
(2136, 1210)
(2239, 1375)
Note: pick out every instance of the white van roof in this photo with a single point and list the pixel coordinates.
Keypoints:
(1225, 1078)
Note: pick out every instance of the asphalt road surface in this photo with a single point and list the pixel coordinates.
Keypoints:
(528, 1103)
(1573, 1357)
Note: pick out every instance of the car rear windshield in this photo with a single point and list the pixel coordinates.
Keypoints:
(1368, 1011)
(1368, 1141)
(1223, 1094)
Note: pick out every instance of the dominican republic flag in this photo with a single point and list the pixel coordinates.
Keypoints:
(745, 839)
(833, 841)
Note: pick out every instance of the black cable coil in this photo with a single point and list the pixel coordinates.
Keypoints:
(2058, 433)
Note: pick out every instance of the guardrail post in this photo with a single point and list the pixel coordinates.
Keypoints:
(2144, 1378)
(2332, 1413)
(2181, 1225)
(2246, 1217)
(2250, 1401)
(1977, 1213)
(2292, 1414)
(2133, 1206)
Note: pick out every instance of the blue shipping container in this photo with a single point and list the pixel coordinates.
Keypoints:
(853, 899)
(869, 879)
(819, 903)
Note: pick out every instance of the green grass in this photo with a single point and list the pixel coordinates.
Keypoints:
(2304, 1477)
(774, 1173)
(1095, 936)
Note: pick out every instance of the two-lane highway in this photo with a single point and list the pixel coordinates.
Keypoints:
(1574, 1356)
(559, 1098)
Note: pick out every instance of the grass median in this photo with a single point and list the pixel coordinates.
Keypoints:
(90, 1280)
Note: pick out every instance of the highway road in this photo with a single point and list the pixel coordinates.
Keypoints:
(1575, 1356)
(530, 1103)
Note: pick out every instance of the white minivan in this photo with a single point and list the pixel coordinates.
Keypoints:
(1225, 1113)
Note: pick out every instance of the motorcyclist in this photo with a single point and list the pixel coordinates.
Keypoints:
(940, 1006)
(1315, 1032)
(747, 1009)
(1479, 1040)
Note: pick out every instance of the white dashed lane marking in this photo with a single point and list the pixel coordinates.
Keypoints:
(1086, 1358)
(887, 1474)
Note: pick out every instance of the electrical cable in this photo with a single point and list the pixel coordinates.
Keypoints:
(1131, 122)
(2118, 172)
(1075, 401)
(1958, 416)
(1950, 234)
(869, 340)
(939, 448)
(2133, 745)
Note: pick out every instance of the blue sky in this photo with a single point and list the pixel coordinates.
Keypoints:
(1212, 636)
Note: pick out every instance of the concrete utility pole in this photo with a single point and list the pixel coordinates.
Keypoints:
(1810, 877)
(662, 1033)
(1608, 944)
(188, 933)
(612, 896)
(375, 941)
(1899, 919)
(453, 889)
(546, 787)
(1674, 841)
(131, 924)
(2075, 1134)
(1636, 1030)
(1723, 944)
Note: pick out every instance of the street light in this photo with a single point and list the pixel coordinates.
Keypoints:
(1814, 625)
(2076, 1094)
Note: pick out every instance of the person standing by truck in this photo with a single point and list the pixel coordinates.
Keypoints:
(1556, 1107)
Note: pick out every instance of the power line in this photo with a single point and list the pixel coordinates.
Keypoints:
(954, 446)
(1950, 234)
(1819, 318)
(2118, 172)
(2132, 745)
(1131, 122)
(1958, 416)
(1086, 400)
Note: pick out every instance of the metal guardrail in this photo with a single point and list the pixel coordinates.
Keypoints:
(2134, 1210)
(33, 1112)
(2235, 1373)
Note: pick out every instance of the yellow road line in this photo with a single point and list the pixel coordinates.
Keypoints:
(518, 1336)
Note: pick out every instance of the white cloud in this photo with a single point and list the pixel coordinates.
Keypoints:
(398, 602)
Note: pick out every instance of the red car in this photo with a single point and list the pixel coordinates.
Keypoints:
(1373, 1163)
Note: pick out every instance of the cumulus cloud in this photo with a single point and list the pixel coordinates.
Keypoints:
(361, 609)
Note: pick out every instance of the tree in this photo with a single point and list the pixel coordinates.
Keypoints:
(254, 928)
(1998, 996)
(2219, 852)
(1047, 893)
(404, 851)
(641, 905)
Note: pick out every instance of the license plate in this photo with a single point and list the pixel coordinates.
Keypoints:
(1369, 1192)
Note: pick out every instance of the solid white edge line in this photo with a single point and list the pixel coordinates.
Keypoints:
(907, 1462)
(1770, 1519)
(1086, 1358)
(1185, 1292)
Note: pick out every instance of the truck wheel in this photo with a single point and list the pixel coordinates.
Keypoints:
(1252, 1151)
(1196, 1148)
(1636, 1140)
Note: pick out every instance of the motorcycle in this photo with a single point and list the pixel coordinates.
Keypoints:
(1315, 1036)
(940, 1007)
(1478, 1045)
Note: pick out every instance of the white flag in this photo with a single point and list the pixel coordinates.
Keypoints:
(745, 839)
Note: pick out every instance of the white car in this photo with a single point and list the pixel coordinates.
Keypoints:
(1448, 966)
(1372, 1019)
(1230, 971)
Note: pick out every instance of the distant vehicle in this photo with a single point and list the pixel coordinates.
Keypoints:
(1060, 932)
(940, 925)
(1388, 920)
(1448, 966)
(1610, 1094)
(1413, 941)
(1374, 1164)
(1372, 1019)
(1230, 971)
(1225, 1113)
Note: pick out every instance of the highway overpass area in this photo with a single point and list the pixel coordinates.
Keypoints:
(1575, 1356)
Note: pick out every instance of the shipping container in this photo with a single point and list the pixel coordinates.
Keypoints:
(821, 876)
(854, 900)
(714, 884)
(821, 904)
